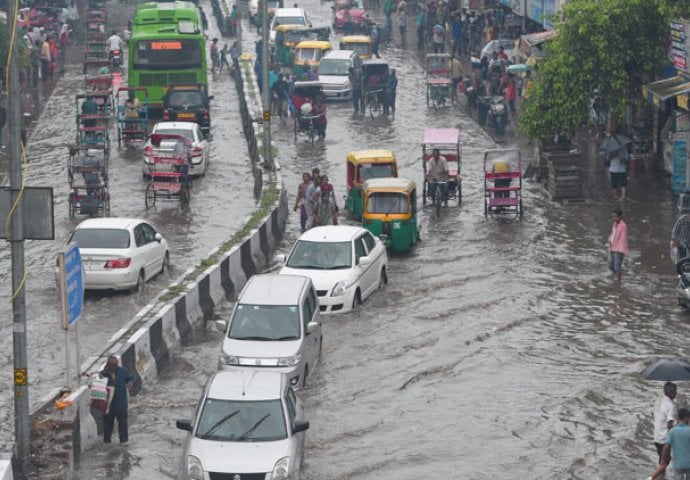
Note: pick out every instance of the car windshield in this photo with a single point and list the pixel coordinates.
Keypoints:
(368, 171)
(387, 202)
(306, 54)
(334, 67)
(265, 322)
(321, 255)
(176, 131)
(186, 99)
(100, 238)
(360, 48)
(241, 421)
(289, 21)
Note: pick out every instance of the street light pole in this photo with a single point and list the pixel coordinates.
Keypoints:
(266, 94)
(16, 238)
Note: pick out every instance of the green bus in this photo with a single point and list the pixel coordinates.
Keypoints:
(167, 45)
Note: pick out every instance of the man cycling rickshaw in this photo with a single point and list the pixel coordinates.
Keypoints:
(309, 113)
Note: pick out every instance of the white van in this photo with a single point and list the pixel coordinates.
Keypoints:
(334, 68)
(288, 16)
(275, 325)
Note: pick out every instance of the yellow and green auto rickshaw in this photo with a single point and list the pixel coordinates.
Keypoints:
(365, 165)
(390, 212)
(361, 44)
(308, 54)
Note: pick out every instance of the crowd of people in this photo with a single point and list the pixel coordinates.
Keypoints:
(316, 201)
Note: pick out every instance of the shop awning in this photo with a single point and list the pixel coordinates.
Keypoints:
(658, 92)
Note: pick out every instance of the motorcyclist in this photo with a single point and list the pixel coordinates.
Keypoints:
(114, 42)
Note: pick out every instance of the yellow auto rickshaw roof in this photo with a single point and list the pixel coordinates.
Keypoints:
(319, 44)
(371, 156)
(290, 27)
(391, 184)
(355, 39)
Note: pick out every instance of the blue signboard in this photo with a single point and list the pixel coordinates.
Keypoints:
(680, 149)
(73, 293)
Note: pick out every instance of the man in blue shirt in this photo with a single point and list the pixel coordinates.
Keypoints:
(119, 382)
(677, 447)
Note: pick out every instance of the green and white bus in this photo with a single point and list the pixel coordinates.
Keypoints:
(167, 45)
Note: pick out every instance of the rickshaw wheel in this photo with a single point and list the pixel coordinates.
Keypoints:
(295, 129)
(106, 204)
(312, 134)
(119, 137)
(438, 204)
(459, 192)
(185, 196)
(150, 198)
(520, 212)
(424, 193)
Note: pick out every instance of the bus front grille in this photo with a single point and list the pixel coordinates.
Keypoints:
(153, 79)
(189, 77)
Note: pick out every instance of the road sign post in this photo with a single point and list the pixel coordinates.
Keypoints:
(71, 296)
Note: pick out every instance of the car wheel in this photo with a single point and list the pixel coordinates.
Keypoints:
(383, 279)
(357, 301)
(165, 268)
(141, 281)
(304, 377)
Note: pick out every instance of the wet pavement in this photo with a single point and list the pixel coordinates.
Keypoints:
(496, 347)
(192, 233)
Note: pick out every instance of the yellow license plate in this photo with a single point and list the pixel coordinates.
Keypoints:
(186, 115)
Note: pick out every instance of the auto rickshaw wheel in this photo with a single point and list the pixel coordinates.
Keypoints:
(150, 196)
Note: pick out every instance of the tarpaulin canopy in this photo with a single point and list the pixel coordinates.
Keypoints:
(658, 92)
(531, 40)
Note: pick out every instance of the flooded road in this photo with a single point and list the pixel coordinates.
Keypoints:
(496, 347)
(191, 233)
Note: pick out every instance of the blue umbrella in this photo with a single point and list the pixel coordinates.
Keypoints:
(519, 68)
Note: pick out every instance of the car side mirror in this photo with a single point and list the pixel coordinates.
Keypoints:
(187, 425)
(300, 426)
(158, 237)
(210, 97)
(281, 258)
(312, 327)
(221, 325)
(366, 260)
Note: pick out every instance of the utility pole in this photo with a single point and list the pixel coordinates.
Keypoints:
(238, 32)
(266, 97)
(16, 238)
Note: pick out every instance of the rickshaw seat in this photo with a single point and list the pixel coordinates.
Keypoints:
(439, 71)
(439, 81)
(494, 176)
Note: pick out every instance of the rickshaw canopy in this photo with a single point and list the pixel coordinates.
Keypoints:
(309, 88)
(441, 138)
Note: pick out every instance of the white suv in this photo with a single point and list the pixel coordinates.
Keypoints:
(275, 325)
(247, 424)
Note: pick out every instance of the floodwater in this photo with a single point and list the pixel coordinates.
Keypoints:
(496, 347)
(191, 233)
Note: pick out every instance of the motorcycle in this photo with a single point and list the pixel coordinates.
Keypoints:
(467, 87)
(116, 58)
(683, 283)
(497, 115)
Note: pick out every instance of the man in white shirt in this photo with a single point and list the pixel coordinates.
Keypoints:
(114, 42)
(664, 416)
(437, 171)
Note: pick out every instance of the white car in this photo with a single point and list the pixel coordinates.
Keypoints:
(275, 324)
(334, 71)
(200, 146)
(248, 424)
(288, 16)
(120, 253)
(345, 263)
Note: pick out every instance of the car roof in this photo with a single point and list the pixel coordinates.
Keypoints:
(331, 233)
(273, 289)
(246, 384)
(176, 125)
(288, 12)
(110, 222)
(340, 54)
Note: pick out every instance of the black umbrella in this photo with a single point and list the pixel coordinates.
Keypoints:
(613, 143)
(668, 369)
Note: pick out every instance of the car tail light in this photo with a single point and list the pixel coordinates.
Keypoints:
(118, 263)
(166, 114)
(205, 114)
(197, 152)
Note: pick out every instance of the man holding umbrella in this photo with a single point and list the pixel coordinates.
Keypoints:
(614, 149)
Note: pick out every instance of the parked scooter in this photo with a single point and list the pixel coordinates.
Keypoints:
(116, 58)
(497, 116)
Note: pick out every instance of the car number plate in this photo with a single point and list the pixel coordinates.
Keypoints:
(186, 115)
(93, 265)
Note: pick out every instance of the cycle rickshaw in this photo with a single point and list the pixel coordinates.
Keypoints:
(447, 141)
(439, 85)
(374, 76)
(503, 182)
(87, 172)
(93, 116)
(132, 123)
(169, 172)
(301, 102)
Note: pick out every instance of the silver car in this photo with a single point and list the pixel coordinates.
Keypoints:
(248, 425)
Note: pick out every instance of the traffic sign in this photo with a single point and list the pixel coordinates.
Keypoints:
(72, 285)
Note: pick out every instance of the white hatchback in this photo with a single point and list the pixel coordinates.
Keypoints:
(192, 131)
(288, 16)
(345, 263)
(120, 253)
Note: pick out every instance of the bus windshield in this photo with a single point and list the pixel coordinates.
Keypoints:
(171, 54)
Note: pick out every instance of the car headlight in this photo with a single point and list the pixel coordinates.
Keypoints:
(194, 469)
(281, 470)
(338, 289)
(289, 361)
(229, 359)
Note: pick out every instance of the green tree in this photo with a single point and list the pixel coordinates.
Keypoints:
(603, 48)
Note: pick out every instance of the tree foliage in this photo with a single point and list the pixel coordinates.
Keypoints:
(603, 49)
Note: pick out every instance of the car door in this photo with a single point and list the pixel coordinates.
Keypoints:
(365, 275)
(375, 251)
(295, 412)
(310, 313)
(201, 141)
(147, 251)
